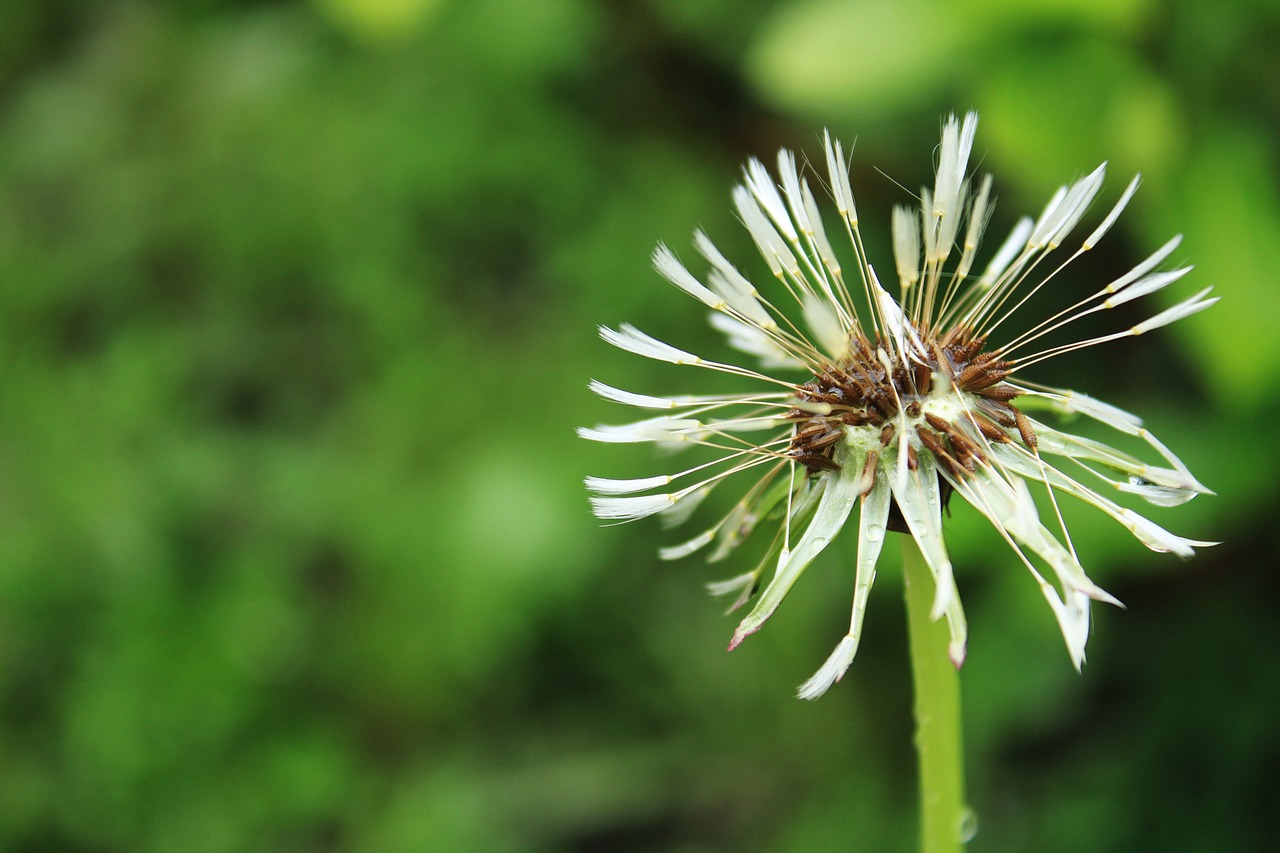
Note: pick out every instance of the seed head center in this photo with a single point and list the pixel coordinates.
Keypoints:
(876, 394)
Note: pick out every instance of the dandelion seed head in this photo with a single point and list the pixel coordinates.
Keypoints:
(893, 404)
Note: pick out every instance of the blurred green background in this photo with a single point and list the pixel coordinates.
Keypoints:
(297, 311)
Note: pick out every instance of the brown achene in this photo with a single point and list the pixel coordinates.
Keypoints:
(869, 388)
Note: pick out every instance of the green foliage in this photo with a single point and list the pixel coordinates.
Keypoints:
(297, 308)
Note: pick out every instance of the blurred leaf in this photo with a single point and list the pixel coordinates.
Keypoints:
(816, 56)
(380, 20)
(851, 58)
(1037, 103)
(1096, 16)
(1227, 202)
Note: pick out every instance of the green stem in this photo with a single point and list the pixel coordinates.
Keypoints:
(943, 814)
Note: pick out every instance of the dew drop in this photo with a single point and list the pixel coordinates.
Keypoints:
(875, 532)
(968, 825)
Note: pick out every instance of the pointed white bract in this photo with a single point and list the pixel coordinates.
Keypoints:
(824, 327)
(833, 509)
(893, 403)
(1092, 239)
(669, 266)
(664, 430)
(948, 201)
(838, 170)
(979, 215)
(1155, 258)
(606, 486)
(629, 508)
(1181, 311)
(761, 184)
(906, 245)
(1146, 286)
(771, 247)
(1060, 218)
(831, 671)
(733, 586)
(631, 339)
(627, 398)
(684, 549)
(725, 280)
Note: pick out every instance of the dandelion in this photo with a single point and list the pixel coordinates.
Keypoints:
(897, 403)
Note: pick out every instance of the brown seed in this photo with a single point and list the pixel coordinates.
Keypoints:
(970, 375)
(883, 401)
(812, 430)
(826, 440)
(963, 344)
(869, 472)
(999, 392)
(989, 429)
(815, 462)
(1000, 411)
(963, 443)
(886, 435)
(979, 375)
(923, 378)
(966, 453)
(1024, 428)
(931, 440)
(938, 423)
(954, 468)
(933, 443)
(940, 359)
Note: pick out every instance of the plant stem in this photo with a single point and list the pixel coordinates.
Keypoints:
(943, 814)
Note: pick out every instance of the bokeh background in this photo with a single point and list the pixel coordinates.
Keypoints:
(297, 311)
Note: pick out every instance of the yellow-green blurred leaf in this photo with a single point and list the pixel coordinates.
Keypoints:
(1049, 116)
(1226, 203)
(379, 20)
(830, 55)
